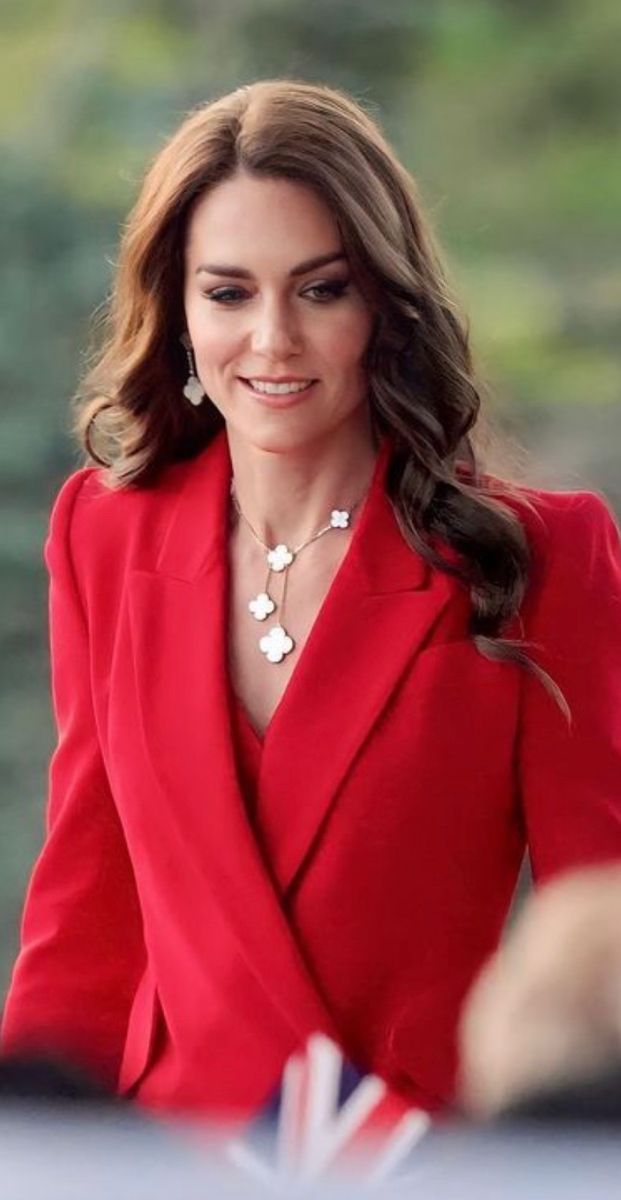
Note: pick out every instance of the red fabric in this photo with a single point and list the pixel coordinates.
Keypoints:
(248, 750)
(184, 958)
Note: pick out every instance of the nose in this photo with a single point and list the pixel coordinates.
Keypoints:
(275, 334)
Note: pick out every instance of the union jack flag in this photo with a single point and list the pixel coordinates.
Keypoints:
(327, 1118)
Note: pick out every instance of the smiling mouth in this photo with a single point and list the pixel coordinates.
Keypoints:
(275, 394)
(273, 387)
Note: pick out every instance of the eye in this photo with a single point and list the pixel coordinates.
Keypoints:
(223, 295)
(329, 290)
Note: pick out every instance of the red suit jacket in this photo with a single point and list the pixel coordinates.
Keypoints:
(183, 957)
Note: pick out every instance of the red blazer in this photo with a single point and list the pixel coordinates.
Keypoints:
(184, 958)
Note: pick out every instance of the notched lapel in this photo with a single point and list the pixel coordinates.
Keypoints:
(178, 660)
(178, 621)
(381, 610)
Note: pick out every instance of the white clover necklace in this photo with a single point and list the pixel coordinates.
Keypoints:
(277, 643)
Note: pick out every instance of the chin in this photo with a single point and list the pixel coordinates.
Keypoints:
(290, 438)
(299, 429)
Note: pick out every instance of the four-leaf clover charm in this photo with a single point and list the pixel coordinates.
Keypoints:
(276, 644)
(280, 557)
(261, 606)
(193, 390)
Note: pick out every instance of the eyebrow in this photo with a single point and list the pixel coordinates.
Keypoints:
(311, 264)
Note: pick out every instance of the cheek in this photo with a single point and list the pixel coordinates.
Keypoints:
(211, 338)
(213, 344)
(345, 339)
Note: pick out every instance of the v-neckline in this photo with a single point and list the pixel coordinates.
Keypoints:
(376, 479)
(246, 718)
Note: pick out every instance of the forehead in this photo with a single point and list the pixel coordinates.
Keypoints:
(251, 216)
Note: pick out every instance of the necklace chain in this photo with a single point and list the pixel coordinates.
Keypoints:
(296, 550)
(277, 643)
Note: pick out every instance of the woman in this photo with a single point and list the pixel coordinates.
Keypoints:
(316, 676)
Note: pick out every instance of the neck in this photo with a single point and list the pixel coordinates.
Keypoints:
(288, 495)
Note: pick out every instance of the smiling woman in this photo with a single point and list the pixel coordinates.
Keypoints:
(312, 665)
(294, 336)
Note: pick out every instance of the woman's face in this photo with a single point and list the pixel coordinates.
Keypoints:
(257, 308)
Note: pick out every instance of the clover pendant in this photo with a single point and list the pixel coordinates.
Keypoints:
(276, 644)
(339, 518)
(261, 606)
(193, 390)
(280, 557)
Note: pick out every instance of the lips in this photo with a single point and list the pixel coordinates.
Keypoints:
(282, 379)
(277, 399)
(260, 379)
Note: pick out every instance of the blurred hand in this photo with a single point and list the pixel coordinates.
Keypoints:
(546, 1009)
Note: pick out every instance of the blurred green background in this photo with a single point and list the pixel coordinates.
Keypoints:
(508, 114)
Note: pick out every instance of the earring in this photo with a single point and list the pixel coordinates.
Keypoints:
(193, 390)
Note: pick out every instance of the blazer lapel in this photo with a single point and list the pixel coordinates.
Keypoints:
(382, 608)
(178, 620)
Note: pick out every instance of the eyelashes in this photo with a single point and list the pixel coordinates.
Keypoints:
(229, 295)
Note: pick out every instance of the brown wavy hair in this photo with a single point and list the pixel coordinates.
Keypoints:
(423, 390)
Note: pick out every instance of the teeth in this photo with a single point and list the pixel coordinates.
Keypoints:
(278, 389)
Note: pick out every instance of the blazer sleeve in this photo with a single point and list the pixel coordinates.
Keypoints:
(570, 774)
(82, 948)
